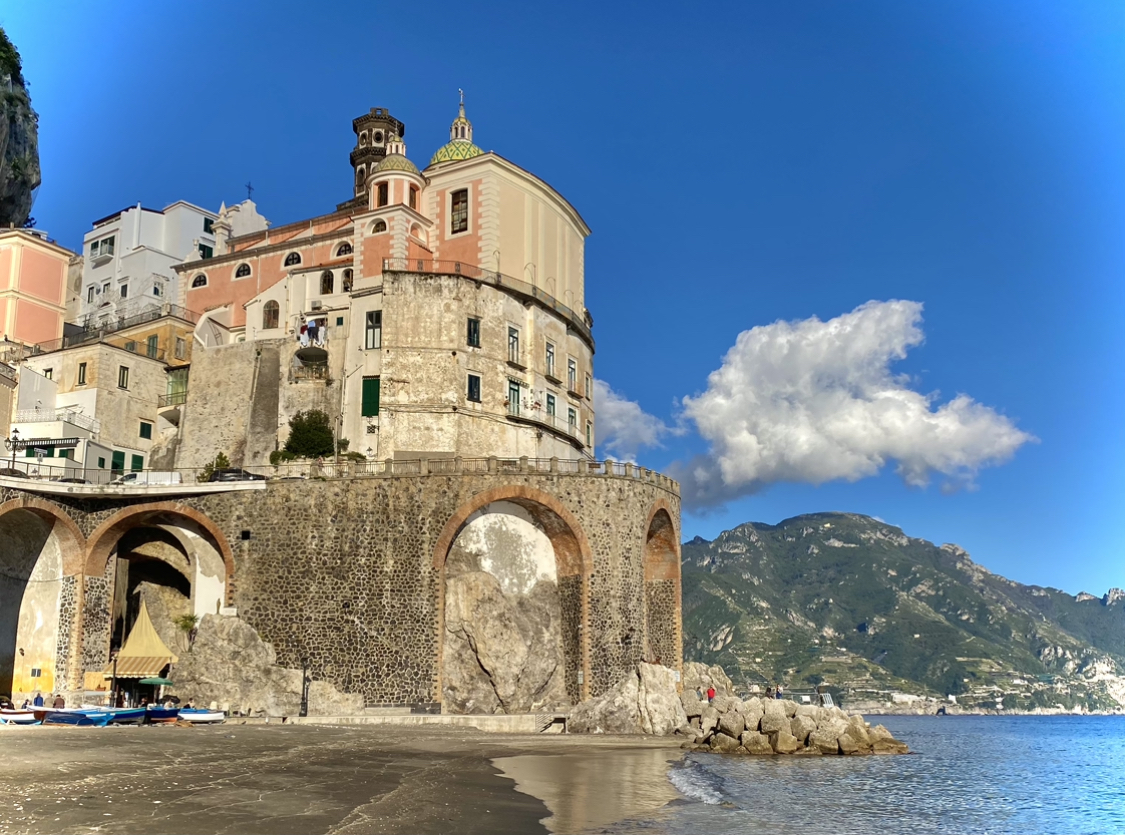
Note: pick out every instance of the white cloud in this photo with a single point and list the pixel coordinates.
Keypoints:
(813, 401)
(623, 426)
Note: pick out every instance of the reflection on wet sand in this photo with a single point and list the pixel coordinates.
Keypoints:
(593, 788)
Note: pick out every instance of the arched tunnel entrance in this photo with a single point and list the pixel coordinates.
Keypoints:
(38, 549)
(513, 576)
(173, 560)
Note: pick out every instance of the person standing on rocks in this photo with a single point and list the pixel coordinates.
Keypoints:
(710, 694)
(778, 693)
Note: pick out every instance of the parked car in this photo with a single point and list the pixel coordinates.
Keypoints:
(71, 480)
(148, 477)
(12, 473)
(235, 474)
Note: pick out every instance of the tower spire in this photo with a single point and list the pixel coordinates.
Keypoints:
(462, 128)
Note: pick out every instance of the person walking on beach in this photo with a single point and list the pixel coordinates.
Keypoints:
(710, 694)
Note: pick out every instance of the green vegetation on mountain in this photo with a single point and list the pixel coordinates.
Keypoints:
(853, 602)
(19, 142)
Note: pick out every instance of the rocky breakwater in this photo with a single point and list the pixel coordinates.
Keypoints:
(730, 725)
(647, 702)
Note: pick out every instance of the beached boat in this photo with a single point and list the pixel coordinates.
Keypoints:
(199, 716)
(75, 716)
(162, 715)
(127, 715)
(18, 717)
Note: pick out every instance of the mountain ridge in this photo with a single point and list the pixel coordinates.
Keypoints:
(851, 601)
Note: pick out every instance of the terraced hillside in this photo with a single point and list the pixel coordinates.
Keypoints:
(850, 601)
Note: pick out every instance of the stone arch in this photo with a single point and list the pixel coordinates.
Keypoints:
(662, 590)
(40, 597)
(105, 538)
(574, 564)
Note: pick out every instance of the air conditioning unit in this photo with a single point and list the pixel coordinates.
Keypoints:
(315, 304)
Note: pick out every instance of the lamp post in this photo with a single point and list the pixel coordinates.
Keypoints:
(304, 687)
(113, 683)
(12, 444)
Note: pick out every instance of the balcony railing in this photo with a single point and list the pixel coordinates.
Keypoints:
(540, 417)
(71, 416)
(165, 401)
(98, 333)
(523, 288)
(309, 371)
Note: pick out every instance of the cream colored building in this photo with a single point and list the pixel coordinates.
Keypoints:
(449, 306)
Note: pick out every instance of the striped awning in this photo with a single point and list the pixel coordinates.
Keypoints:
(46, 443)
(132, 666)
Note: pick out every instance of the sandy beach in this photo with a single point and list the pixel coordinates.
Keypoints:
(309, 779)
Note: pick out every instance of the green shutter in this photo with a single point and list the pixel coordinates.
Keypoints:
(370, 396)
(117, 465)
(137, 463)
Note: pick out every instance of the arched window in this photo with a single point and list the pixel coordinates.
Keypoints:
(326, 283)
(347, 281)
(242, 271)
(344, 249)
(199, 281)
(270, 315)
(380, 226)
(292, 259)
(359, 176)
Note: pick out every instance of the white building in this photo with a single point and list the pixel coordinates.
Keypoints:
(129, 256)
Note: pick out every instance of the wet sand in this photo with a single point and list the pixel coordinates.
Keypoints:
(309, 779)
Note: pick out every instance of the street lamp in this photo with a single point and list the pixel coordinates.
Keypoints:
(11, 444)
(113, 684)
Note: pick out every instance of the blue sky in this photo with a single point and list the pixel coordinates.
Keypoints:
(739, 163)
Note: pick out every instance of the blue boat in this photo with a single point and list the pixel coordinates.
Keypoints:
(127, 715)
(77, 717)
(162, 715)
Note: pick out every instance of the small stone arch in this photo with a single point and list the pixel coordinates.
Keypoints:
(69, 532)
(662, 590)
(574, 561)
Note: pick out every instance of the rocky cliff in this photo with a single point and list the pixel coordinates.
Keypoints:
(891, 621)
(19, 139)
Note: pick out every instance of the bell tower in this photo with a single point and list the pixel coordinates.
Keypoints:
(373, 131)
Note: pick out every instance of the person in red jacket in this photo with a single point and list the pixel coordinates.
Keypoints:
(710, 695)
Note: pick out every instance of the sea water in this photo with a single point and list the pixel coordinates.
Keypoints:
(968, 774)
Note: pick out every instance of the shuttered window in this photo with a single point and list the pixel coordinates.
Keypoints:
(370, 396)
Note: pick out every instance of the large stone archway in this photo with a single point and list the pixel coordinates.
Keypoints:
(663, 604)
(507, 624)
(40, 598)
(183, 565)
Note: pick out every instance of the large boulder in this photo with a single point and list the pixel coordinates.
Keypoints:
(756, 743)
(825, 741)
(753, 717)
(723, 703)
(774, 719)
(230, 664)
(502, 652)
(790, 707)
(614, 712)
(699, 676)
(801, 727)
(807, 710)
(708, 719)
(659, 703)
(723, 744)
(784, 742)
(693, 707)
(882, 742)
(732, 724)
(643, 701)
(847, 744)
(857, 730)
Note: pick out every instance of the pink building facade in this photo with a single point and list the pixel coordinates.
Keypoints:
(32, 287)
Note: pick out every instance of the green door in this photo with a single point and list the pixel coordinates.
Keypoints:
(117, 465)
(370, 396)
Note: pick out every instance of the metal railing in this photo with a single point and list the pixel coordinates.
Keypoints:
(438, 267)
(71, 416)
(309, 371)
(37, 471)
(97, 333)
(178, 398)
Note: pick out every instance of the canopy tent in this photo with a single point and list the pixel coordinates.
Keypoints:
(144, 654)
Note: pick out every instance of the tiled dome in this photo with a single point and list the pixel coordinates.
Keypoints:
(396, 162)
(455, 150)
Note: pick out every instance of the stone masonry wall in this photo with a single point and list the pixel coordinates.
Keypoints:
(341, 572)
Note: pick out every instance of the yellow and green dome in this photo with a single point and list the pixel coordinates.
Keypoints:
(396, 162)
(456, 150)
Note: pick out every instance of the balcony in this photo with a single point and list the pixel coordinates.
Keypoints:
(71, 416)
(167, 401)
(538, 417)
(102, 256)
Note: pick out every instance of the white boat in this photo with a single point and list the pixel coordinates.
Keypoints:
(199, 716)
(18, 717)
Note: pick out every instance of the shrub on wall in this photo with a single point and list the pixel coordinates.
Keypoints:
(221, 462)
(310, 434)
